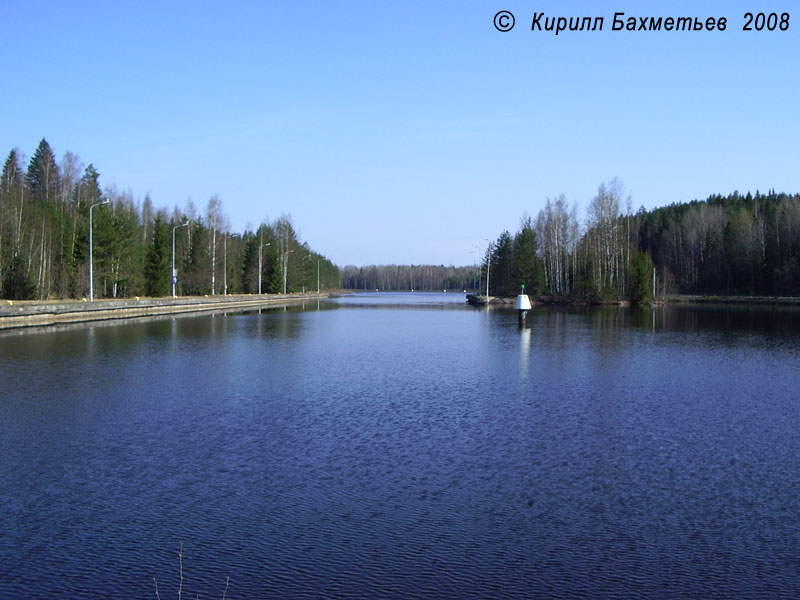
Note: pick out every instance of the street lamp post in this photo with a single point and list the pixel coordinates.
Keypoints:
(318, 261)
(488, 263)
(225, 264)
(476, 281)
(260, 248)
(174, 273)
(476, 270)
(91, 274)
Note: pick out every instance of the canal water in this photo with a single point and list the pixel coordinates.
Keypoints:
(402, 446)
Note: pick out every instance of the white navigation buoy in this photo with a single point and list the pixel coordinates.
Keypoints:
(522, 302)
(523, 305)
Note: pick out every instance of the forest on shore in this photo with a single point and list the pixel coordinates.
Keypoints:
(409, 277)
(735, 245)
(742, 245)
(44, 241)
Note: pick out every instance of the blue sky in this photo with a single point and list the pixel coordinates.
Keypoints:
(401, 132)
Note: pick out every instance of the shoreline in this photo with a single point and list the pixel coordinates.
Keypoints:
(480, 300)
(32, 313)
(22, 314)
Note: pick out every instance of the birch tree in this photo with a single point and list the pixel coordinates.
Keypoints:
(214, 217)
(557, 232)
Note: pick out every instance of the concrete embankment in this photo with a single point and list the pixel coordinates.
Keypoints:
(15, 314)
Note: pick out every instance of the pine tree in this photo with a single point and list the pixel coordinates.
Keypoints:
(11, 209)
(527, 269)
(501, 275)
(157, 261)
(42, 177)
(249, 276)
(17, 285)
(194, 278)
(640, 278)
(272, 281)
(125, 252)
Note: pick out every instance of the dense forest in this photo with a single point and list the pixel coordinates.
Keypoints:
(409, 277)
(725, 245)
(731, 245)
(44, 241)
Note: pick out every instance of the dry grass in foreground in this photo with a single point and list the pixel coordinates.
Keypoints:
(180, 584)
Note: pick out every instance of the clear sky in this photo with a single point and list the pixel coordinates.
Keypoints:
(401, 132)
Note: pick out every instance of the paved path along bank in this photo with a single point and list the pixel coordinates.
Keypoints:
(14, 314)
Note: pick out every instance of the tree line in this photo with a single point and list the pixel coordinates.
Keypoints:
(727, 245)
(408, 277)
(44, 241)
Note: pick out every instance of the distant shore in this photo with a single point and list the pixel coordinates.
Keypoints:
(32, 313)
(782, 300)
(481, 300)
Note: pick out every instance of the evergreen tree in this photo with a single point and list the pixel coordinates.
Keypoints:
(194, 279)
(11, 207)
(90, 185)
(640, 278)
(87, 193)
(17, 284)
(501, 274)
(42, 176)
(527, 270)
(126, 252)
(249, 276)
(158, 261)
(272, 281)
(12, 174)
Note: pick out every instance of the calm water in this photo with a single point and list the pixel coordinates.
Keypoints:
(401, 446)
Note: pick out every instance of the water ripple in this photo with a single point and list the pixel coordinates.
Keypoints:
(400, 453)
